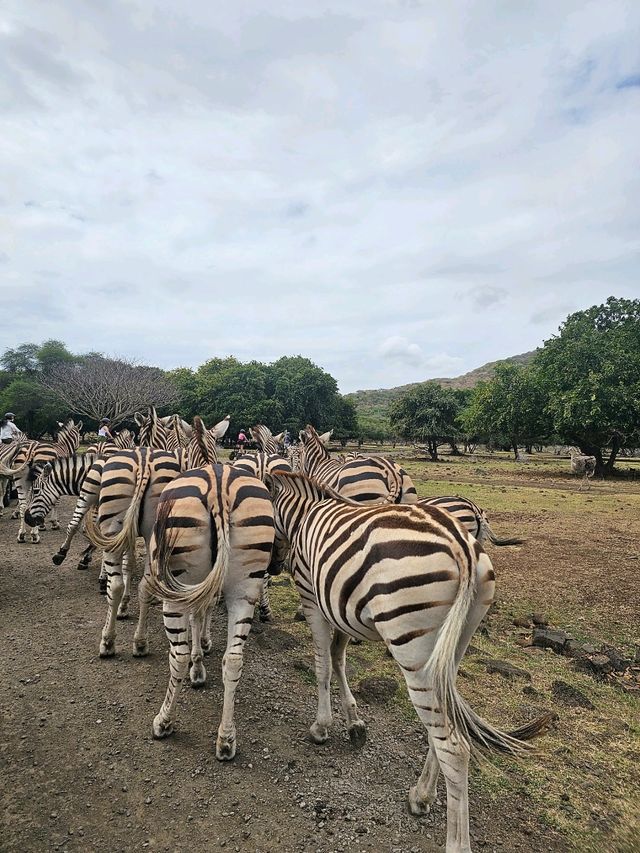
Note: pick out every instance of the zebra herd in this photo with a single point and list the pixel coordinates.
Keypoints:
(369, 559)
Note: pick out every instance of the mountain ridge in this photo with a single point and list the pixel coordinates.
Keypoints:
(375, 403)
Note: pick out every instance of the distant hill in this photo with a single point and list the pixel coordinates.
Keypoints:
(375, 404)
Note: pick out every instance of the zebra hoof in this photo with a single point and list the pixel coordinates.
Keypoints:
(417, 807)
(122, 613)
(226, 748)
(55, 525)
(81, 567)
(58, 559)
(207, 645)
(140, 648)
(358, 734)
(266, 615)
(42, 526)
(197, 675)
(299, 615)
(35, 539)
(15, 514)
(162, 728)
(22, 538)
(319, 734)
(107, 648)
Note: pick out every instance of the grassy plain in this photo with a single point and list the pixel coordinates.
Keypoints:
(579, 568)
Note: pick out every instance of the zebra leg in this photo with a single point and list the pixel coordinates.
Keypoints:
(112, 565)
(72, 528)
(53, 517)
(197, 672)
(238, 626)
(176, 624)
(123, 607)
(140, 638)
(357, 728)
(423, 794)
(85, 559)
(321, 633)
(264, 608)
(205, 639)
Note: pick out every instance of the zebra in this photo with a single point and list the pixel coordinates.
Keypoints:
(7, 454)
(584, 465)
(265, 440)
(471, 516)
(153, 432)
(28, 463)
(124, 440)
(63, 476)
(355, 480)
(261, 465)
(213, 537)
(412, 577)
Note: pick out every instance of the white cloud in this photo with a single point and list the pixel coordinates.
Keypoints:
(320, 178)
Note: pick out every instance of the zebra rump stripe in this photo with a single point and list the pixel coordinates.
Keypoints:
(213, 537)
(411, 576)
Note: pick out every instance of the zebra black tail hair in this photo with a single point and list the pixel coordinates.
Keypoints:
(162, 583)
(487, 533)
(442, 664)
(125, 539)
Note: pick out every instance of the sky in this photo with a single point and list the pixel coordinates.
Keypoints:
(396, 190)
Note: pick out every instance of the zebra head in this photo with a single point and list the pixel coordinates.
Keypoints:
(153, 432)
(265, 439)
(42, 498)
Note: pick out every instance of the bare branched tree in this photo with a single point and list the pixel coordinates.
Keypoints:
(99, 387)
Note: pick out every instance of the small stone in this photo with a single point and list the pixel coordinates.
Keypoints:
(539, 619)
(522, 622)
(546, 638)
(147, 801)
(507, 670)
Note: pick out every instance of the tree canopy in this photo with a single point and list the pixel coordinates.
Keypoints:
(427, 413)
(590, 373)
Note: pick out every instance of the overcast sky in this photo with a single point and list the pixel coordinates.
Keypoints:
(397, 190)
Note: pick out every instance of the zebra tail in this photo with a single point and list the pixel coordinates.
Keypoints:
(456, 711)
(125, 539)
(197, 597)
(487, 533)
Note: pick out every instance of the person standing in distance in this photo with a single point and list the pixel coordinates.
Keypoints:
(8, 430)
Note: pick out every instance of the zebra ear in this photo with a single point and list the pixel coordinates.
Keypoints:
(220, 428)
(48, 468)
(79, 426)
(325, 438)
(139, 419)
(279, 437)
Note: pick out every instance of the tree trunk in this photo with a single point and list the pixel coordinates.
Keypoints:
(615, 447)
(454, 449)
(528, 448)
(433, 450)
(514, 447)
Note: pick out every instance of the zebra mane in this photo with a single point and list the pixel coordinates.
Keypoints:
(265, 439)
(303, 484)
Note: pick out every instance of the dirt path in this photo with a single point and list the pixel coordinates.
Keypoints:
(80, 770)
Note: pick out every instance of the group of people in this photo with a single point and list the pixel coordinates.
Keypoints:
(241, 441)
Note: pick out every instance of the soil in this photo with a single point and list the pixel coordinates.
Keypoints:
(82, 772)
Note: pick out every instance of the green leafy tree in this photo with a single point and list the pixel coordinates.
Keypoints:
(427, 413)
(509, 409)
(591, 375)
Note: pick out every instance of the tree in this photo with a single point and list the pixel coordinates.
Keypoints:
(99, 387)
(509, 409)
(590, 372)
(427, 413)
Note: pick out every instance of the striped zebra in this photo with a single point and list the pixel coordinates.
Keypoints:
(29, 461)
(366, 480)
(153, 432)
(213, 538)
(7, 454)
(261, 465)
(126, 489)
(124, 440)
(265, 440)
(471, 516)
(412, 577)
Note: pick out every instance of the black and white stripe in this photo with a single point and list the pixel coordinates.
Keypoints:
(213, 538)
(412, 577)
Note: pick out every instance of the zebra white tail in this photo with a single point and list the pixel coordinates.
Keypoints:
(125, 539)
(162, 583)
(442, 665)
